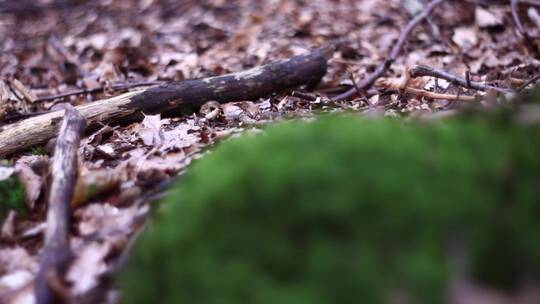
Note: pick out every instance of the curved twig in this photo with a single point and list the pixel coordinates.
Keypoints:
(369, 80)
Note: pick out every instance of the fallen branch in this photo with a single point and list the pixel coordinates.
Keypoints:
(424, 70)
(369, 80)
(56, 252)
(247, 85)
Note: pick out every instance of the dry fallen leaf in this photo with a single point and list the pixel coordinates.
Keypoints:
(150, 130)
(83, 275)
(25, 92)
(104, 219)
(92, 183)
(465, 38)
(32, 183)
(486, 18)
(8, 227)
(6, 172)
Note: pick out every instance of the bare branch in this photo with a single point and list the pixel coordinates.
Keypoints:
(246, 85)
(369, 80)
(529, 82)
(424, 70)
(56, 252)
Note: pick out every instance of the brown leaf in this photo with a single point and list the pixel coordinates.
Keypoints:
(19, 87)
(32, 183)
(486, 18)
(92, 183)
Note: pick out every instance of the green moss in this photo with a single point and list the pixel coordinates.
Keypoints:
(344, 209)
(11, 196)
(38, 151)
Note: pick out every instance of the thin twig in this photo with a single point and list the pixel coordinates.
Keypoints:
(529, 82)
(355, 85)
(56, 252)
(515, 15)
(305, 96)
(368, 81)
(514, 6)
(435, 95)
(116, 86)
(424, 70)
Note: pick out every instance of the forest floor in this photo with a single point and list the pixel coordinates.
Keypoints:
(55, 52)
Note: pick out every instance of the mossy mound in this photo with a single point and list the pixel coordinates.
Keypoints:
(345, 209)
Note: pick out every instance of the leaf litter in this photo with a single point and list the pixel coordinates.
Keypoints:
(103, 48)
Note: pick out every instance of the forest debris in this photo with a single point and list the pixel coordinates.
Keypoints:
(245, 85)
(103, 220)
(150, 130)
(424, 70)
(32, 183)
(435, 95)
(6, 172)
(17, 269)
(465, 38)
(195, 42)
(514, 6)
(369, 80)
(19, 87)
(94, 89)
(486, 18)
(534, 16)
(410, 87)
(56, 252)
(4, 99)
(529, 82)
(8, 227)
(83, 275)
(92, 183)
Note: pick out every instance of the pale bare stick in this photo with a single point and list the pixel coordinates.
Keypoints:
(56, 252)
(424, 70)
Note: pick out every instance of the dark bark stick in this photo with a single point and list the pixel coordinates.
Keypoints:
(424, 70)
(56, 252)
(247, 85)
(369, 80)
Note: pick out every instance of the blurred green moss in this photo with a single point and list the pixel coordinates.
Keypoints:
(38, 151)
(11, 196)
(346, 209)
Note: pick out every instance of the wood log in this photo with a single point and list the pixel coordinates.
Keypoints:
(56, 253)
(247, 85)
